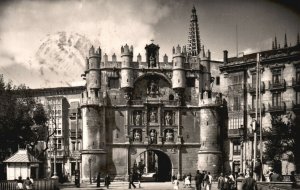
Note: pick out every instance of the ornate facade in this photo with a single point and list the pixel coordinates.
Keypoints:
(171, 116)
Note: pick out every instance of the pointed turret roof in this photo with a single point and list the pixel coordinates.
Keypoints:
(194, 46)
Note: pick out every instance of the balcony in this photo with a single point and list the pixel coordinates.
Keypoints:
(154, 101)
(277, 108)
(252, 88)
(88, 101)
(73, 133)
(250, 133)
(279, 85)
(235, 133)
(296, 83)
(296, 106)
(237, 108)
(236, 88)
(252, 110)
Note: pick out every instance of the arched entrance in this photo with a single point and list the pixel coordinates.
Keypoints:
(154, 165)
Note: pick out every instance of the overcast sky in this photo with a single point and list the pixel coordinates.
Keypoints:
(44, 43)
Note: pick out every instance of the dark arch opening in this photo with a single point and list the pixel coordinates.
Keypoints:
(158, 166)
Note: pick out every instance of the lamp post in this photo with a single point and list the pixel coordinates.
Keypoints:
(54, 158)
(90, 166)
(241, 134)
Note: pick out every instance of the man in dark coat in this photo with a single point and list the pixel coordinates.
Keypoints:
(131, 180)
(98, 179)
(107, 181)
(249, 183)
(198, 180)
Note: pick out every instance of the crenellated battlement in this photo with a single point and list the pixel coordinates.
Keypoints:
(210, 99)
(178, 51)
(126, 51)
(93, 53)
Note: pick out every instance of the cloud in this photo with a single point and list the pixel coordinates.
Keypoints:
(25, 27)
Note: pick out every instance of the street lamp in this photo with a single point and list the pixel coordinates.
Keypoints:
(54, 158)
(90, 165)
(241, 134)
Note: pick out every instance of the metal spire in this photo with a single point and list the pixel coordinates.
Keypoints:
(193, 46)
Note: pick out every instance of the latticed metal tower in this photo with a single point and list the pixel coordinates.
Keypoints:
(194, 46)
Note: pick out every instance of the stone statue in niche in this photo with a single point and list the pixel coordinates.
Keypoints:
(152, 61)
(168, 119)
(152, 117)
(152, 87)
(138, 119)
(169, 136)
(152, 136)
(137, 136)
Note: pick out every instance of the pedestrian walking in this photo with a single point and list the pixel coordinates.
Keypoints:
(249, 183)
(173, 178)
(131, 180)
(187, 182)
(107, 181)
(178, 176)
(221, 182)
(226, 183)
(205, 180)
(176, 184)
(98, 179)
(208, 181)
(197, 180)
(231, 181)
(190, 179)
(27, 183)
(20, 183)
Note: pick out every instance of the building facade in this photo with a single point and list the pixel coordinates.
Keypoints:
(273, 90)
(169, 116)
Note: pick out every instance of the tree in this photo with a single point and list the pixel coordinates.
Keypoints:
(281, 140)
(22, 119)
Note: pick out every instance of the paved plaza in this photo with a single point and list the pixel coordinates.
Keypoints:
(124, 185)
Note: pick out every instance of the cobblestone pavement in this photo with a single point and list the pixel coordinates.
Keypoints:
(124, 185)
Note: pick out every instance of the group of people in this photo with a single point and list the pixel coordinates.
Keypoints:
(24, 184)
(106, 180)
(203, 179)
(226, 182)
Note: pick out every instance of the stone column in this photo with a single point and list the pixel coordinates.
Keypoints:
(159, 114)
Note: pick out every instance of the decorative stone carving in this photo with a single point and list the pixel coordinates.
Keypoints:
(152, 61)
(152, 117)
(169, 136)
(137, 136)
(138, 119)
(153, 88)
(168, 119)
(152, 136)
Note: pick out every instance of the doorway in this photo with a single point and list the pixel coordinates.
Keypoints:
(153, 165)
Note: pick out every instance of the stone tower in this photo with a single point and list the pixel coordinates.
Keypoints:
(93, 118)
(194, 46)
(126, 71)
(210, 153)
(179, 78)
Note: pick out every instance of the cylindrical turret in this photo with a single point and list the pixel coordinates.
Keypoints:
(93, 79)
(206, 76)
(210, 155)
(178, 79)
(126, 67)
(93, 119)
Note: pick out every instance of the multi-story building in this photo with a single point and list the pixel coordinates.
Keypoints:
(276, 87)
(169, 117)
